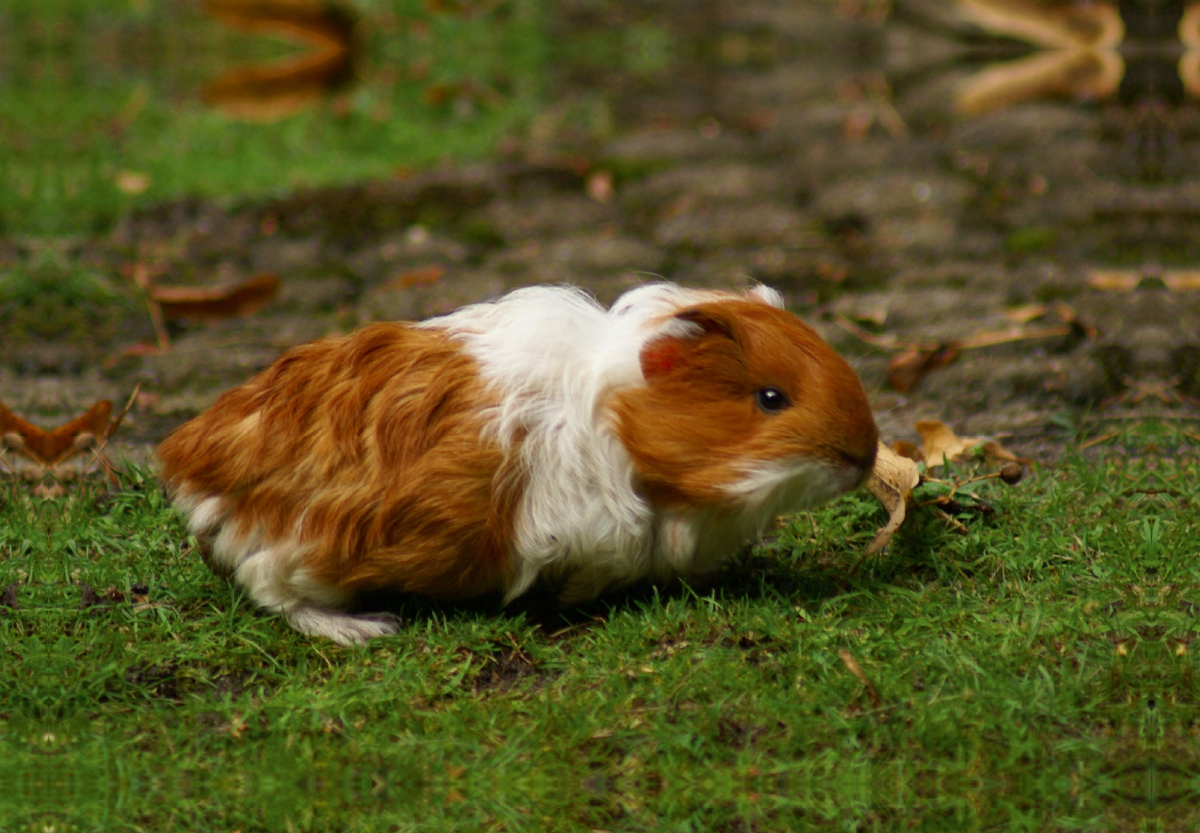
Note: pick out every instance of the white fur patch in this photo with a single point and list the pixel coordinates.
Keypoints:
(205, 515)
(342, 628)
(556, 356)
(783, 486)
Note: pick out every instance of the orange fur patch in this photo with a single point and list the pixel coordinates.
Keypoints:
(366, 450)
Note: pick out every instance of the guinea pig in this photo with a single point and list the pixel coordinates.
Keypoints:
(536, 438)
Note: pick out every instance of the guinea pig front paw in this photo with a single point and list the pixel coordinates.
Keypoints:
(342, 628)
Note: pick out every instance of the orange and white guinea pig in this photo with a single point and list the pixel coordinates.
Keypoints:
(539, 437)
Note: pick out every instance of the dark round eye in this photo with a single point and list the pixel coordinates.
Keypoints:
(772, 400)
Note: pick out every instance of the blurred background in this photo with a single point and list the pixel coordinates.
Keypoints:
(990, 206)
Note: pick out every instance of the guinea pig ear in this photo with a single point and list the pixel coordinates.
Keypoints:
(663, 352)
(707, 321)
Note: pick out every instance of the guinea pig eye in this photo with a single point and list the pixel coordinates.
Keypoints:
(771, 400)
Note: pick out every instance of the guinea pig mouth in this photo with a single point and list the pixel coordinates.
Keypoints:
(785, 486)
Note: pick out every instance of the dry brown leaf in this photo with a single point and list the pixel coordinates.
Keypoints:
(1059, 27)
(1103, 438)
(876, 314)
(910, 450)
(885, 340)
(906, 370)
(1114, 280)
(422, 276)
(48, 448)
(1026, 313)
(891, 482)
(1182, 280)
(1084, 73)
(855, 669)
(941, 443)
(132, 182)
(138, 349)
(320, 23)
(599, 186)
(1189, 71)
(993, 451)
(204, 302)
(272, 91)
(993, 337)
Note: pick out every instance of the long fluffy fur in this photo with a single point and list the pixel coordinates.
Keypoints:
(514, 441)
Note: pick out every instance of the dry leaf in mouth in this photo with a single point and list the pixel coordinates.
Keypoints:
(891, 482)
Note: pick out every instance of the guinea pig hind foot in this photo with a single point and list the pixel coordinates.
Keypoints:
(342, 628)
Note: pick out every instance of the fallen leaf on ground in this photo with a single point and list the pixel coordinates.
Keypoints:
(47, 448)
(204, 302)
(599, 186)
(876, 315)
(1080, 55)
(1114, 280)
(1060, 27)
(316, 22)
(855, 669)
(906, 370)
(1182, 280)
(917, 359)
(139, 349)
(132, 182)
(993, 337)
(1127, 280)
(423, 276)
(941, 443)
(1026, 313)
(891, 482)
(992, 450)
(269, 92)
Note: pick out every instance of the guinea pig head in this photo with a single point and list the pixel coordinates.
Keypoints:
(744, 407)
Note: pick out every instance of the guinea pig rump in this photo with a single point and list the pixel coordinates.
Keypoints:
(350, 464)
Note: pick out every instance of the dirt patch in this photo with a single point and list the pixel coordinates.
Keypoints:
(502, 670)
(743, 734)
(158, 681)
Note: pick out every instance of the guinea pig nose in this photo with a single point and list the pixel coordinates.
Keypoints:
(861, 457)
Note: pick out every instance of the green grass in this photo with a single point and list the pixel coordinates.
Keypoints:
(1035, 673)
(115, 87)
